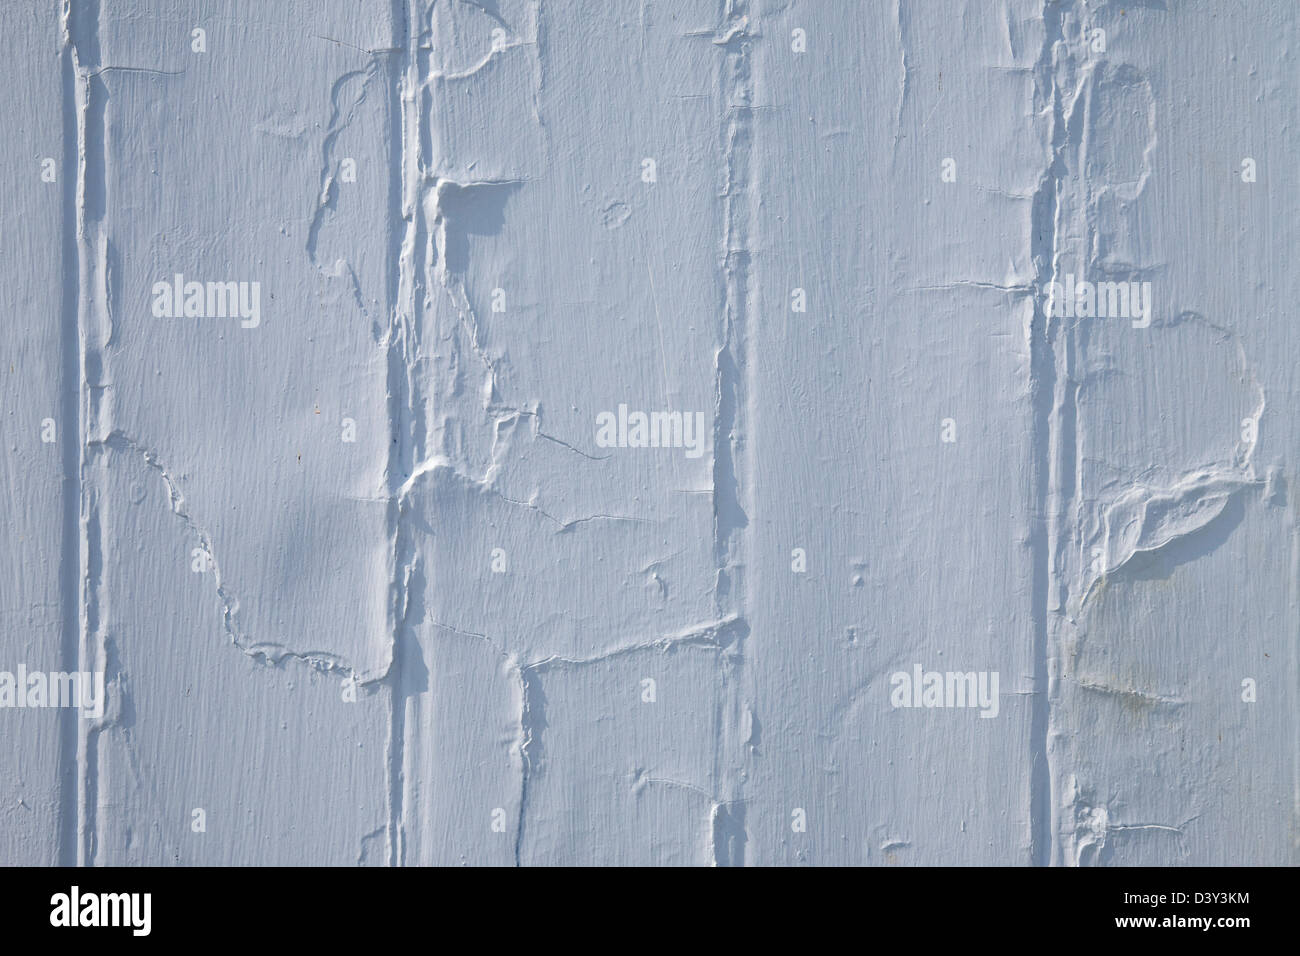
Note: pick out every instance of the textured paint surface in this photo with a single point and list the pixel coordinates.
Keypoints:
(695, 433)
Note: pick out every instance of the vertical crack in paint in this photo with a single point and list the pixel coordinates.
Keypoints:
(1044, 392)
(403, 244)
(84, 325)
(532, 720)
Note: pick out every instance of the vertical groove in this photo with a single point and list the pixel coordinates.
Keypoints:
(70, 396)
(732, 420)
(92, 305)
(1042, 397)
(1052, 401)
(401, 205)
(83, 297)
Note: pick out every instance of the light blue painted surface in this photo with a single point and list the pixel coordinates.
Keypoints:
(376, 572)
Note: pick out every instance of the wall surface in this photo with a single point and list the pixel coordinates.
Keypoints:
(682, 432)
